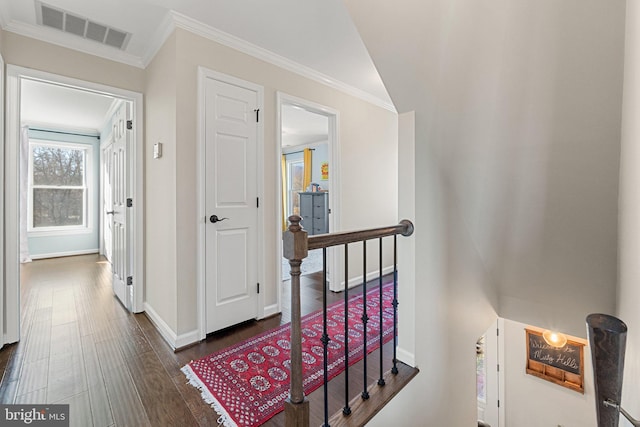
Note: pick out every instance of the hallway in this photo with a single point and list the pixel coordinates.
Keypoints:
(80, 346)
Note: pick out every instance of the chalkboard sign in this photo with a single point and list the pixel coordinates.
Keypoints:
(564, 366)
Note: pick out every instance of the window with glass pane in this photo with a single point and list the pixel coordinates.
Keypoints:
(58, 185)
(296, 178)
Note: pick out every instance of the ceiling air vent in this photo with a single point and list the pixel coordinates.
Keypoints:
(68, 22)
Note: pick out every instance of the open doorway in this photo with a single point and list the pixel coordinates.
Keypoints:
(60, 169)
(54, 175)
(489, 387)
(305, 176)
(308, 174)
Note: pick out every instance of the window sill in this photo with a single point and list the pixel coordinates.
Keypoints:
(64, 232)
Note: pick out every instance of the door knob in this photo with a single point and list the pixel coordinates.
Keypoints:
(110, 212)
(214, 219)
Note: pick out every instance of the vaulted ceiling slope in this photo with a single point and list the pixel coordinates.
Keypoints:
(315, 38)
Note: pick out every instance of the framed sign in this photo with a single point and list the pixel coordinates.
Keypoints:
(563, 366)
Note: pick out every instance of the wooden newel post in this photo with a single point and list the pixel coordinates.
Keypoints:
(295, 246)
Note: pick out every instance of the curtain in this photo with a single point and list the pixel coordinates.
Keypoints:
(24, 197)
(285, 202)
(307, 169)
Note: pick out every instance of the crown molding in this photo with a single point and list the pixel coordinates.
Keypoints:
(3, 13)
(226, 39)
(164, 30)
(61, 39)
(175, 20)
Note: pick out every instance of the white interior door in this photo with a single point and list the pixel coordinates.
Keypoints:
(120, 264)
(231, 204)
(488, 409)
(107, 199)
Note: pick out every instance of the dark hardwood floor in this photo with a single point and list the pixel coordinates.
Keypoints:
(80, 346)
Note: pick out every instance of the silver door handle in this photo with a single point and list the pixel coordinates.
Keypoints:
(110, 212)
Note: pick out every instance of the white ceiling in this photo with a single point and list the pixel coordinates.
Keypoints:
(58, 107)
(301, 127)
(311, 35)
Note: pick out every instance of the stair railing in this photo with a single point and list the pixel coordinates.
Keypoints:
(296, 246)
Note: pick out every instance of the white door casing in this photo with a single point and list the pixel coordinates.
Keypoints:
(488, 408)
(231, 111)
(14, 75)
(106, 157)
(121, 243)
(335, 266)
(4, 339)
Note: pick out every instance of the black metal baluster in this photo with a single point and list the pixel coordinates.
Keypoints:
(381, 379)
(325, 337)
(346, 410)
(394, 370)
(365, 318)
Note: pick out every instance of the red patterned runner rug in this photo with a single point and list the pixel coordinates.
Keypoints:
(248, 383)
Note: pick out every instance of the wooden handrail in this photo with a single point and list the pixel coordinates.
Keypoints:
(296, 246)
(405, 228)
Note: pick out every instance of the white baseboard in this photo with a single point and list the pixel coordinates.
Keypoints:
(174, 340)
(270, 310)
(165, 331)
(63, 254)
(406, 357)
(355, 281)
(184, 340)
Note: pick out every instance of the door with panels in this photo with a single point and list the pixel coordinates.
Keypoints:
(121, 242)
(231, 193)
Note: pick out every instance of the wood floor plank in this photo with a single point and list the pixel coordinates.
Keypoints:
(65, 339)
(113, 367)
(38, 341)
(109, 355)
(66, 377)
(79, 410)
(8, 391)
(131, 338)
(14, 365)
(203, 413)
(125, 402)
(42, 315)
(101, 414)
(34, 376)
(162, 401)
(36, 397)
(100, 407)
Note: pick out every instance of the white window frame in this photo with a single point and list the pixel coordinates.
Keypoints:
(87, 218)
(291, 193)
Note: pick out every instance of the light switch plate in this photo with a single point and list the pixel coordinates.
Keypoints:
(157, 150)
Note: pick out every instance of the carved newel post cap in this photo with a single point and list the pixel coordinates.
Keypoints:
(295, 244)
(294, 223)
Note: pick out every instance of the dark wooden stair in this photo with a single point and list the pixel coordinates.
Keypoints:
(362, 411)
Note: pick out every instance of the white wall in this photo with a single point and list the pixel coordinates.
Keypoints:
(629, 235)
(517, 127)
(170, 87)
(367, 134)
(162, 286)
(320, 155)
(39, 55)
(533, 402)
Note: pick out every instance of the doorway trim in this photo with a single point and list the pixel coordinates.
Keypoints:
(333, 256)
(14, 76)
(203, 74)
